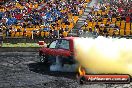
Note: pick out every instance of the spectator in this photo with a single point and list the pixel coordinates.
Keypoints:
(38, 12)
(102, 25)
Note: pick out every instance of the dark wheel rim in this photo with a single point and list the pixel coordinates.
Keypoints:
(42, 58)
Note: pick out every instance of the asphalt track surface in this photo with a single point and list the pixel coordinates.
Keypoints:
(23, 70)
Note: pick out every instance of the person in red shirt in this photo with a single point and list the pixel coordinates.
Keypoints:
(128, 19)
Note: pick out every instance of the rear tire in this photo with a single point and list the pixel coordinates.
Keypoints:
(81, 80)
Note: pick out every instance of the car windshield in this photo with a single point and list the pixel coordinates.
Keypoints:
(53, 44)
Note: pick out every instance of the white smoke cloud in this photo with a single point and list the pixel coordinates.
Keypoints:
(104, 55)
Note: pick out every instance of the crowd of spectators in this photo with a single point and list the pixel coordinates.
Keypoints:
(41, 17)
(110, 17)
(48, 18)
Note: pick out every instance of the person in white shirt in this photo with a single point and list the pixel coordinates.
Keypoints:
(102, 25)
(112, 25)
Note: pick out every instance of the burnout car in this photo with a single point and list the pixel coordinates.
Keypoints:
(62, 48)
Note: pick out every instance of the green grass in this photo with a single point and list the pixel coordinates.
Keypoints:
(20, 45)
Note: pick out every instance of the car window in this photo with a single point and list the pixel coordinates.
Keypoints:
(53, 44)
(64, 44)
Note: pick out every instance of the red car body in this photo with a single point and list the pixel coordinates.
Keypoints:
(60, 51)
(62, 48)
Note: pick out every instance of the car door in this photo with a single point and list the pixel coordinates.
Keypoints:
(50, 50)
(63, 47)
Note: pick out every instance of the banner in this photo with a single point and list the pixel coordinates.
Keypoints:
(106, 78)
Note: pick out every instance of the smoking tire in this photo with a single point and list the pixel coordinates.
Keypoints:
(81, 80)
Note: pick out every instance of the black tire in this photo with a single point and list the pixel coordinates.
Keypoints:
(81, 80)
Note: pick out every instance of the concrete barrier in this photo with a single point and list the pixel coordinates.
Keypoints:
(26, 40)
(19, 49)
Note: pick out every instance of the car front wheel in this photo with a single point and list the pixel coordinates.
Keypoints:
(43, 59)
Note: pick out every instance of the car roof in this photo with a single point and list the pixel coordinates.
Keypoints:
(69, 38)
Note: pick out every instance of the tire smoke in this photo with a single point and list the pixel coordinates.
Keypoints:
(104, 55)
(66, 68)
